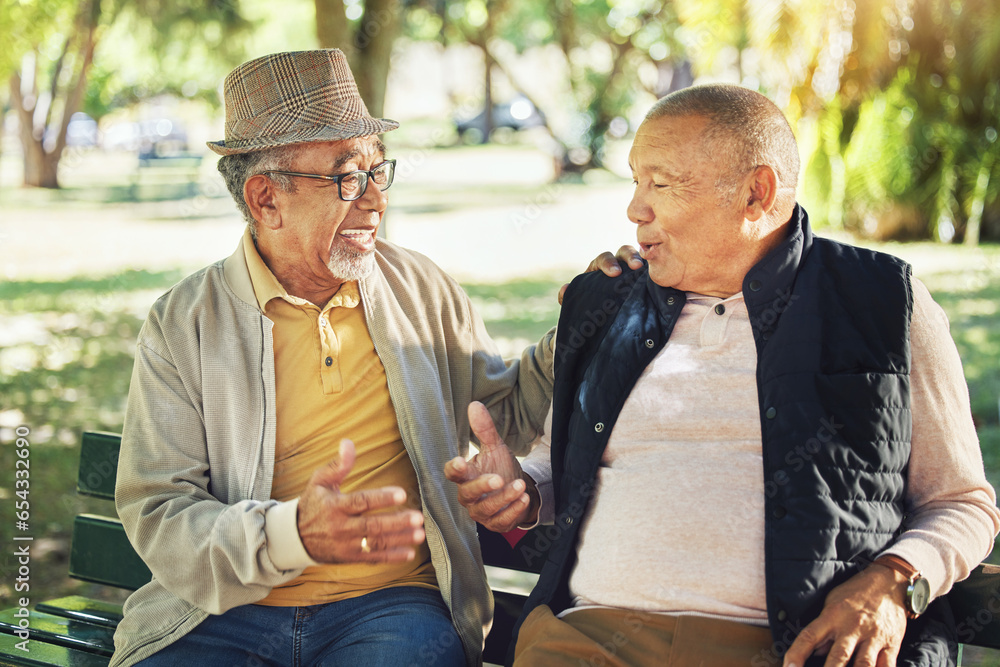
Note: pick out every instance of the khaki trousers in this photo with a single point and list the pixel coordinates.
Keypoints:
(631, 638)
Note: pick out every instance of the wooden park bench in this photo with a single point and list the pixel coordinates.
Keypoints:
(77, 631)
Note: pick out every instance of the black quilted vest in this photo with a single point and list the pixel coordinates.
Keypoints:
(831, 324)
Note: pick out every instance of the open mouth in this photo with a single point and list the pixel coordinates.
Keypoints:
(647, 248)
(362, 239)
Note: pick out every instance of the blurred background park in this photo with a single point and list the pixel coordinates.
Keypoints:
(516, 122)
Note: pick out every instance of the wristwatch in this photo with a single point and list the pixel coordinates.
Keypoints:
(918, 592)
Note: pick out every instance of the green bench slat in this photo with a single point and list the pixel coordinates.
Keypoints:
(84, 609)
(976, 605)
(100, 552)
(49, 629)
(98, 464)
(40, 654)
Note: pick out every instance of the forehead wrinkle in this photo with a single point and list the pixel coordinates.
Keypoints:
(357, 151)
(666, 171)
(344, 158)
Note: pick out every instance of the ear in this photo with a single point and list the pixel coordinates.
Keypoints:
(763, 191)
(259, 193)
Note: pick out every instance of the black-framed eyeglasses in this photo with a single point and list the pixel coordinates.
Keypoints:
(352, 185)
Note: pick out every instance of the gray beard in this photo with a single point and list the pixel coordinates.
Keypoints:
(348, 265)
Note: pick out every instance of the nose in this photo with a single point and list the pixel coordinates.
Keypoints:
(639, 211)
(374, 199)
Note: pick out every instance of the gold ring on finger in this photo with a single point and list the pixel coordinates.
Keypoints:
(365, 548)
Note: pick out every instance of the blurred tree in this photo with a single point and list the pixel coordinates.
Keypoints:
(606, 45)
(899, 97)
(42, 131)
(478, 22)
(920, 92)
(50, 61)
(365, 31)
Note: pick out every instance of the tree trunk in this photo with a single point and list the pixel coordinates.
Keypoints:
(972, 228)
(488, 63)
(373, 43)
(332, 28)
(368, 49)
(41, 164)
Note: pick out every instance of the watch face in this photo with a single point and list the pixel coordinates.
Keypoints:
(919, 595)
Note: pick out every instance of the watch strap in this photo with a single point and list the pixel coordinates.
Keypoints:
(911, 573)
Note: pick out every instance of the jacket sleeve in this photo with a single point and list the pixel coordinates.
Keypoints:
(516, 392)
(210, 553)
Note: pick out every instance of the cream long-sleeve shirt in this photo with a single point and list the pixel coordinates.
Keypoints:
(677, 523)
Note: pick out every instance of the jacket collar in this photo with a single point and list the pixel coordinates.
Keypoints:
(237, 275)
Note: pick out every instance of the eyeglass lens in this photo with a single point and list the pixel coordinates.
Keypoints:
(353, 185)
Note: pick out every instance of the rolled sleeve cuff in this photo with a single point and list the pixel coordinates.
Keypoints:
(546, 497)
(284, 546)
(925, 558)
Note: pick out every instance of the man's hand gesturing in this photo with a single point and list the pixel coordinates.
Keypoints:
(491, 485)
(333, 525)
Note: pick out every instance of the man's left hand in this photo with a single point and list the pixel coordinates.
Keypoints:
(609, 264)
(491, 485)
(864, 617)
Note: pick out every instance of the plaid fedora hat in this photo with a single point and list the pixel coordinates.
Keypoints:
(293, 98)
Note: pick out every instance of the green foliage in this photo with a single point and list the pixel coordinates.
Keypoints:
(182, 49)
(926, 138)
(27, 23)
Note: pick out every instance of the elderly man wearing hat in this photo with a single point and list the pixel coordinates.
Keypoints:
(292, 408)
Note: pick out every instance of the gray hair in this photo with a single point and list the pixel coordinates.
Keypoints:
(239, 168)
(743, 125)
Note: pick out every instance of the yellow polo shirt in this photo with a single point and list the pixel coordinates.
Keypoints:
(329, 385)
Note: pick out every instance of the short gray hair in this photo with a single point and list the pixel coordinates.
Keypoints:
(743, 125)
(237, 169)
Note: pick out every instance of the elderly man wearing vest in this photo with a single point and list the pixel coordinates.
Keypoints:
(267, 546)
(762, 450)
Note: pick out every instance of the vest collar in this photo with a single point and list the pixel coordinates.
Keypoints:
(767, 287)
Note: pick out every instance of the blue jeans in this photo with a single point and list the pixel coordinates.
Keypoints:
(396, 627)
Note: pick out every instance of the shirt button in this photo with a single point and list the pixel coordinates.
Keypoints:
(670, 300)
(322, 321)
(650, 343)
(569, 521)
(779, 512)
(720, 309)
(782, 615)
(599, 426)
(329, 361)
(755, 285)
(771, 413)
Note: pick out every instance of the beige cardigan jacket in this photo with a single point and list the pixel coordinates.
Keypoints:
(195, 472)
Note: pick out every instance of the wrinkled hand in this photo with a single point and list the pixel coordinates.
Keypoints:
(332, 524)
(864, 617)
(491, 485)
(608, 264)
